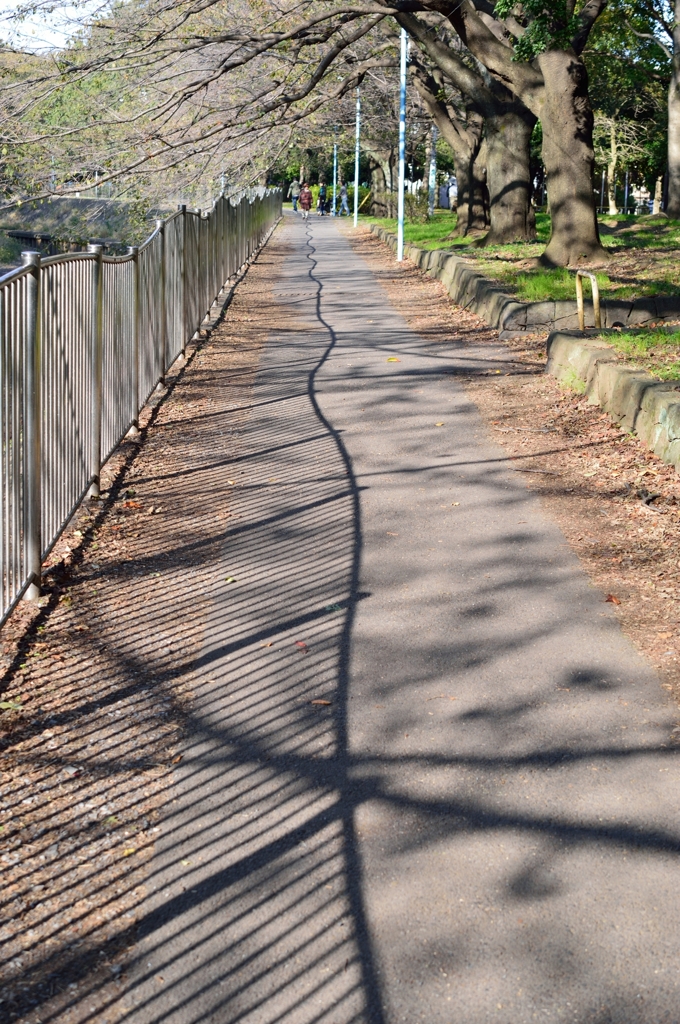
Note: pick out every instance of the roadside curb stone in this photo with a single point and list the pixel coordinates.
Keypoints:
(471, 290)
(640, 403)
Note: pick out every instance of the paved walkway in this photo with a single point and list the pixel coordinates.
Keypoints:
(480, 820)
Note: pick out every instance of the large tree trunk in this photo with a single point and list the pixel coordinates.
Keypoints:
(673, 203)
(511, 215)
(464, 136)
(378, 190)
(478, 204)
(569, 159)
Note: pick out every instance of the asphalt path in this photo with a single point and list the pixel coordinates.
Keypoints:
(480, 820)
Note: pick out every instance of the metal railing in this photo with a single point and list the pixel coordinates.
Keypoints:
(580, 308)
(84, 341)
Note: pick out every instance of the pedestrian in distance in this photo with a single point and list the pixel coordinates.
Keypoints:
(294, 193)
(321, 202)
(344, 206)
(305, 200)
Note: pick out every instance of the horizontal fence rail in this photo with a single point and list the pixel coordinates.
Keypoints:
(84, 341)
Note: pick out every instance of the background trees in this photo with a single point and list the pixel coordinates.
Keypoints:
(174, 97)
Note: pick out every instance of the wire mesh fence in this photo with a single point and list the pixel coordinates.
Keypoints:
(84, 341)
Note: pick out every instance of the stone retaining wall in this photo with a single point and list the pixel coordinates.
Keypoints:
(468, 288)
(640, 403)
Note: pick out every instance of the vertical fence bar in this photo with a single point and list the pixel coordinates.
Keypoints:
(184, 313)
(33, 544)
(160, 224)
(97, 354)
(134, 252)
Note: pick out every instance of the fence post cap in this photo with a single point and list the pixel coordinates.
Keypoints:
(182, 207)
(160, 223)
(132, 250)
(30, 259)
(94, 248)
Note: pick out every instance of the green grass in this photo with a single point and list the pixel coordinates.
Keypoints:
(654, 350)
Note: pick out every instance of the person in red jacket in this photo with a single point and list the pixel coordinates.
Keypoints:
(305, 200)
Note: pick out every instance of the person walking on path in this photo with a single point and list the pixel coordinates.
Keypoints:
(344, 205)
(305, 199)
(294, 193)
(321, 203)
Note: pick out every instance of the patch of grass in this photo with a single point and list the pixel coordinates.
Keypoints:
(572, 380)
(657, 351)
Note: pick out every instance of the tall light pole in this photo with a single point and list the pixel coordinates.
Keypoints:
(335, 168)
(356, 159)
(402, 148)
(432, 182)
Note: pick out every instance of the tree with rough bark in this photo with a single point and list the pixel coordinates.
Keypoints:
(534, 50)
(507, 127)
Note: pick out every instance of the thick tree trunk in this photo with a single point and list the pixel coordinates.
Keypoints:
(478, 207)
(464, 136)
(378, 190)
(569, 159)
(511, 215)
(673, 203)
(473, 203)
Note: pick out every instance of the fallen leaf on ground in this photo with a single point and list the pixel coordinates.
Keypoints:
(612, 599)
(129, 852)
(392, 534)
(10, 705)
(266, 645)
(325, 702)
(231, 482)
(393, 359)
(333, 608)
(439, 424)
(176, 760)
(230, 579)
(132, 504)
(455, 503)
(302, 645)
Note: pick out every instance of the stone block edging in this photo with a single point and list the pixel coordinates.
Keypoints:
(469, 289)
(640, 403)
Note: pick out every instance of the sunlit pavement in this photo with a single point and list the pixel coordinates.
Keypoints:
(479, 820)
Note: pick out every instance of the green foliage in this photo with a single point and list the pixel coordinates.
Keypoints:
(416, 207)
(547, 26)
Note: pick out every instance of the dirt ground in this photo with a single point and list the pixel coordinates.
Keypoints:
(99, 677)
(616, 502)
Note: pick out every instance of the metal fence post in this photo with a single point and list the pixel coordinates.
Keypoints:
(160, 224)
(97, 358)
(33, 498)
(134, 428)
(183, 276)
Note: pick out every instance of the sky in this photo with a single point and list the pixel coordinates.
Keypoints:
(42, 31)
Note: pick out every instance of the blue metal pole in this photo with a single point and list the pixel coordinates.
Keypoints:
(402, 148)
(335, 175)
(356, 159)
